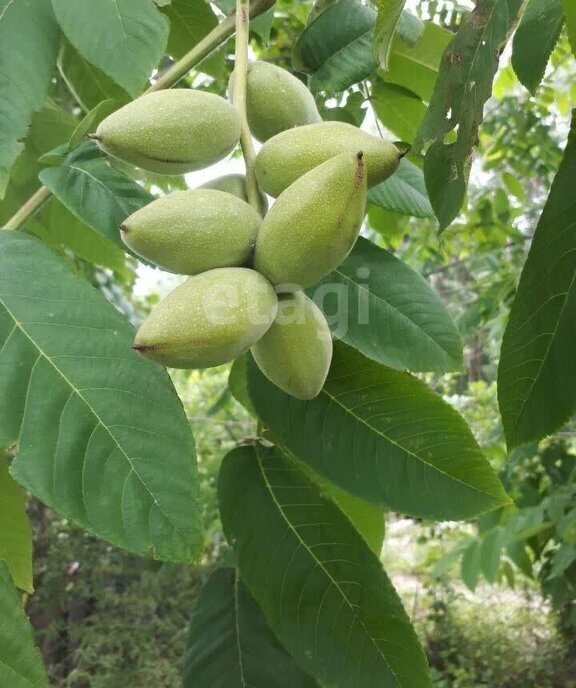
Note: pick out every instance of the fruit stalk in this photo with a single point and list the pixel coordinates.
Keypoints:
(239, 99)
(201, 50)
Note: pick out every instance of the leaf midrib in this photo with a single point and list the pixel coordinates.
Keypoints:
(405, 450)
(75, 390)
(237, 626)
(320, 564)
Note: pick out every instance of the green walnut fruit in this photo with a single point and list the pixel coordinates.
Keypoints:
(209, 319)
(189, 232)
(171, 132)
(289, 155)
(235, 184)
(314, 224)
(296, 352)
(276, 101)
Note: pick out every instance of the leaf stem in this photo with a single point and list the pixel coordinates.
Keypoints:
(30, 208)
(239, 98)
(179, 70)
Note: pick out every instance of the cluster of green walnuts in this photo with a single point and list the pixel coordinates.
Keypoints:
(248, 267)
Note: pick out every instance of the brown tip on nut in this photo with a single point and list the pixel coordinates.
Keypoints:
(93, 137)
(123, 227)
(360, 155)
(139, 347)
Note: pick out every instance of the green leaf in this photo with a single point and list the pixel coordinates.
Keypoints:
(230, 644)
(368, 519)
(15, 533)
(570, 15)
(322, 590)
(95, 192)
(190, 21)
(29, 39)
(404, 192)
(102, 437)
(20, 660)
(415, 67)
(123, 38)
(463, 86)
(471, 564)
(86, 82)
(380, 306)
(60, 227)
(336, 48)
(410, 28)
(389, 12)
(537, 372)
(383, 436)
(492, 544)
(238, 384)
(91, 121)
(399, 110)
(535, 39)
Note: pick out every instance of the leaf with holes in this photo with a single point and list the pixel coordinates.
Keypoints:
(102, 437)
(230, 644)
(383, 436)
(321, 588)
(94, 191)
(20, 660)
(29, 39)
(15, 533)
(537, 372)
(463, 86)
(535, 39)
(123, 38)
(404, 192)
(380, 306)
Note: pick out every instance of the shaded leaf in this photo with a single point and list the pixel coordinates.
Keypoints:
(322, 590)
(230, 644)
(415, 67)
(86, 82)
(238, 384)
(491, 549)
(94, 191)
(380, 306)
(537, 372)
(470, 564)
(190, 21)
(109, 447)
(463, 86)
(20, 660)
(383, 436)
(570, 15)
(15, 532)
(535, 39)
(404, 192)
(29, 39)
(123, 38)
(401, 111)
(389, 12)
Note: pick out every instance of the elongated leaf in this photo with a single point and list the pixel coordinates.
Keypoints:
(123, 38)
(238, 384)
(190, 21)
(537, 372)
(29, 39)
(389, 12)
(380, 306)
(230, 644)
(404, 192)
(463, 86)
(102, 436)
(336, 48)
(470, 565)
(88, 84)
(15, 531)
(382, 435)
(322, 590)
(535, 39)
(399, 110)
(570, 15)
(415, 67)
(20, 660)
(491, 549)
(94, 191)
